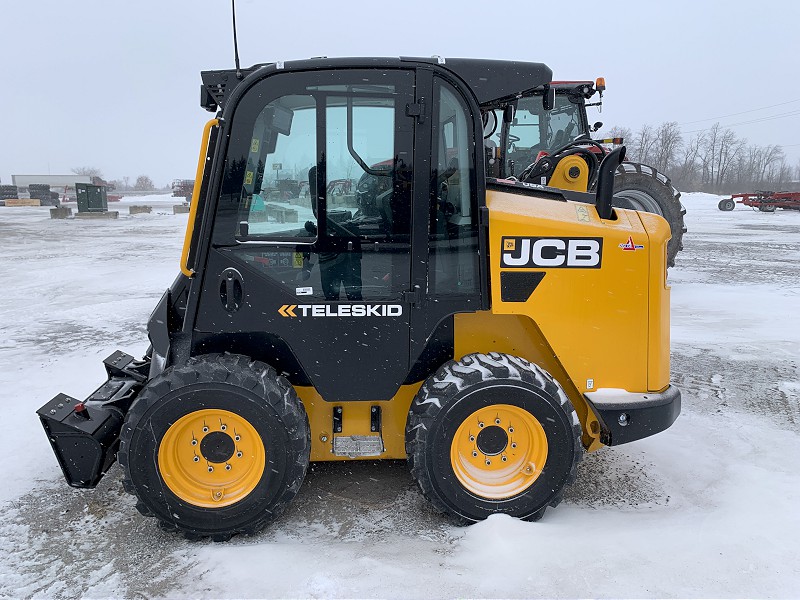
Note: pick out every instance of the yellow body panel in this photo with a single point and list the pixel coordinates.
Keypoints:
(658, 359)
(595, 319)
(356, 421)
(518, 335)
(590, 328)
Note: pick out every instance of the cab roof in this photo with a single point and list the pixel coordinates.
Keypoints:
(491, 81)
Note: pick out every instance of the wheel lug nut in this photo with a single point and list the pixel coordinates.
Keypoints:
(510, 430)
(472, 438)
(227, 467)
(223, 427)
(497, 421)
(239, 455)
(194, 442)
(474, 454)
(480, 424)
(505, 458)
(205, 429)
(513, 444)
(210, 469)
(196, 459)
(237, 437)
(488, 462)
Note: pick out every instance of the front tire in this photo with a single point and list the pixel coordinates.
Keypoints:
(492, 433)
(215, 447)
(641, 187)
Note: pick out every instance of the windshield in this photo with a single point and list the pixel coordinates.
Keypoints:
(535, 130)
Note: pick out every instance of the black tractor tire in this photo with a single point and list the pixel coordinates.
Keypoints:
(187, 429)
(498, 474)
(641, 187)
(726, 204)
(768, 208)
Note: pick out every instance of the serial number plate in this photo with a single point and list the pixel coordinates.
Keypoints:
(358, 445)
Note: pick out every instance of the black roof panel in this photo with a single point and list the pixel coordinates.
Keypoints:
(491, 81)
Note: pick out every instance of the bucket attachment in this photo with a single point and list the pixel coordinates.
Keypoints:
(85, 434)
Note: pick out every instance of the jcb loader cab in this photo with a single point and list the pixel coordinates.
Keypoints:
(487, 331)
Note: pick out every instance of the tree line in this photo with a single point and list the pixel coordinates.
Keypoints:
(714, 160)
(142, 183)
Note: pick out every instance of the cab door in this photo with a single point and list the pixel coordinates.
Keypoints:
(310, 267)
(448, 235)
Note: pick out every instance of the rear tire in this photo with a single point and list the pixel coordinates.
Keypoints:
(726, 204)
(641, 187)
(492, 433)
(215, 447)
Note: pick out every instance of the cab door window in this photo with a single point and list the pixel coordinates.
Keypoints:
(321, 185)
(276, 199)
(453, 232)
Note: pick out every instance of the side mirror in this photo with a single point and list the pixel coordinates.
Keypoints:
(596, 126)
(605, 182)
(549, 97)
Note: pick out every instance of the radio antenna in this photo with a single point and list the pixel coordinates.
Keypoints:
(235, 42)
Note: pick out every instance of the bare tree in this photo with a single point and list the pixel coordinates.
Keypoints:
(90, 171)
(769, 156)
(730, 147)
(687, 170)
(143, 183)
(784, 175)
(668, 140)
(621, 132)
(714, 160)
(708, 156)
(641, 146)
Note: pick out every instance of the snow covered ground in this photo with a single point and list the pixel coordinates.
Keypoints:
(706, 509)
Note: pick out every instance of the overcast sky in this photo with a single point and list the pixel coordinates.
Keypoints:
(115, 85)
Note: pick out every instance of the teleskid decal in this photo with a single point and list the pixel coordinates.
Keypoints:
(630, 246)
(341, 310)
(550, 253)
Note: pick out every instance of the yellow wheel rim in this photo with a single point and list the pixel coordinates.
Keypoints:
(211, 458)
(498, 451)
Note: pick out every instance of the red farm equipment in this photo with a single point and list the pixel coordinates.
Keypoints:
(762, 201)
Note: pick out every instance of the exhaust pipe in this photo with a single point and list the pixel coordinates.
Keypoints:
(605, 182)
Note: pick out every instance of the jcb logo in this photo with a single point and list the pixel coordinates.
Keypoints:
(550, 253)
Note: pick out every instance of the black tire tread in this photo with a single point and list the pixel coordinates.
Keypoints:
(472, 369)
(245, 373)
